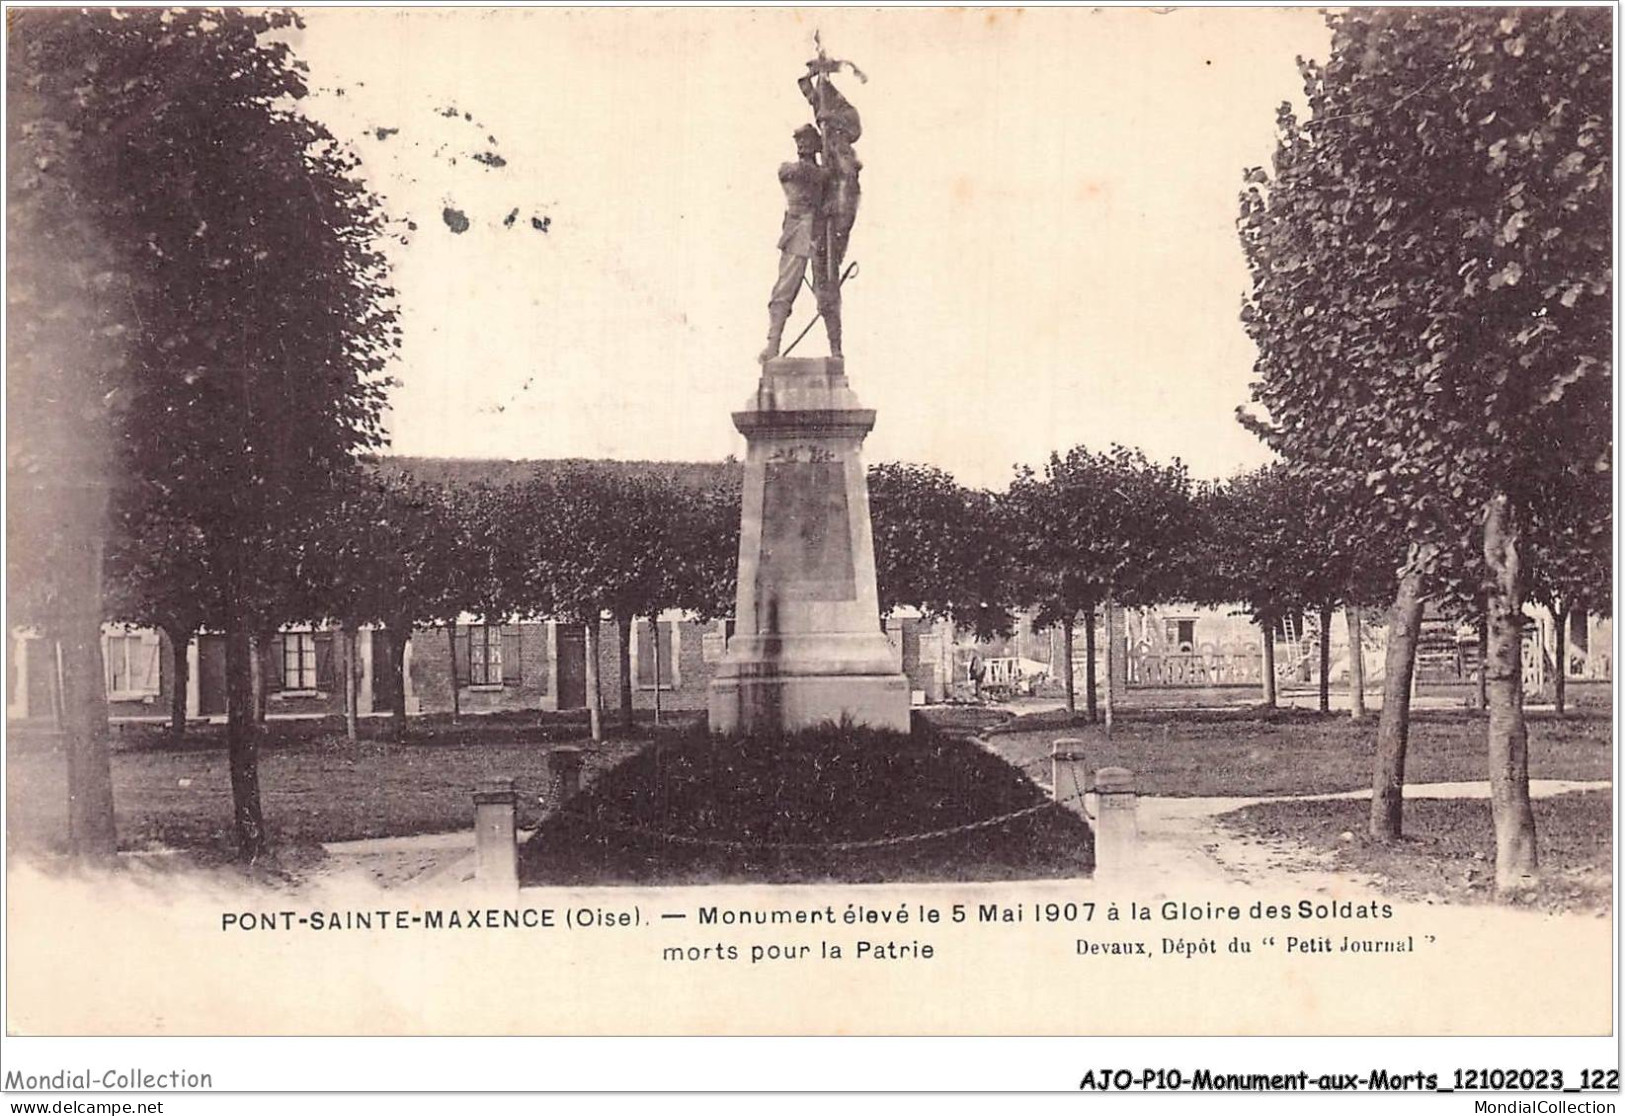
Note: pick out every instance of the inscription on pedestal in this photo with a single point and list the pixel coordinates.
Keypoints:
(791, 454)
(806, 533)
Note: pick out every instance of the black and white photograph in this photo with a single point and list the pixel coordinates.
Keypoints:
(706, 522)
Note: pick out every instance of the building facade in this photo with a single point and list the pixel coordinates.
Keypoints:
(492, 668)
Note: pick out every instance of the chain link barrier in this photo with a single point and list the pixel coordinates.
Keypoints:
(816, 846)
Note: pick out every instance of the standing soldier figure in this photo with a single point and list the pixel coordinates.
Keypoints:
(804, 183)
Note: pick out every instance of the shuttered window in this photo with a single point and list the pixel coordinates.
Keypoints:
(485, 655)
(133, 664)
(512, 658)
(645, 646)
(299, 661)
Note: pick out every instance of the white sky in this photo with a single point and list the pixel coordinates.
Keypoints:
(1047, 236)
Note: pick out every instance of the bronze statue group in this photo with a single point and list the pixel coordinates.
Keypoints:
(821, 203)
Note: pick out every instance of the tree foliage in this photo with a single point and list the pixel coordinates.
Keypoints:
(1280, 541)
(1431, 261)
(391, 553)
(1097, 525)
(1431, 300)
(1097, 528)
(939, 547)
(260, 316)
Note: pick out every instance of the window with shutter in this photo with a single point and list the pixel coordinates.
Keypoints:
(644, 638)
(132, 663)
(324, 661)
(512, 661)
(298, 660)
(485, 655)
(118, 665)
(146, 678)
(272, 665)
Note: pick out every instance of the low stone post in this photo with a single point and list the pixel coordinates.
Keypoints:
(1068, 777)
(564, 765)
(1117, 826)
(496, 859)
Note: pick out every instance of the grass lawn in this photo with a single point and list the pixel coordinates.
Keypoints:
(698, 810)
(315, 786)
(1247, 752)
(1449, 846)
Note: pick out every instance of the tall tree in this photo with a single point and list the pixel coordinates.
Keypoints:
(1257, 539)
(262, 318)
(1097, 527)
(69, 367)
(1431, 269)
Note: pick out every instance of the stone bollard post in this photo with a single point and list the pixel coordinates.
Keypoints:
(1117, 826)
(496, 851)
(1068, 777)
(564, 764)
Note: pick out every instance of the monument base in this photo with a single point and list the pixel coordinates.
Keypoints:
(789, 703)
(807, 649)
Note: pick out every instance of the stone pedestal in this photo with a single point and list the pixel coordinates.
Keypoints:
(495, 839)
(1117, 832)
(807, 646)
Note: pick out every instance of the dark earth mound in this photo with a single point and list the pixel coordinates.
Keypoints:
(711, 810)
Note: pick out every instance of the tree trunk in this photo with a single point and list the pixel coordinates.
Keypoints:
(1089, 665)
(398, 635)
(654, 625)
(263, 670)
(179, 675)
(1394, 725)
(595, 701)
(1066, 666)
(623, 628)
(59, 710)
(92, 837)
(1516, 861)
(1482, 690)
(1326, 658)
(1562, 653)
(256, 682)
(1111, 683)
(456, 686)
(351, 697)
(242, 742)
(1268, 629)
(1356, 664)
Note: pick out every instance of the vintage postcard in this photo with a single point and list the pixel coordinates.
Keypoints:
(735, 522)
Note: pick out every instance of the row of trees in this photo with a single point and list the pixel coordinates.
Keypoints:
(1092, 530)
(380, 547)
(571, 544)
(1431, 300)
